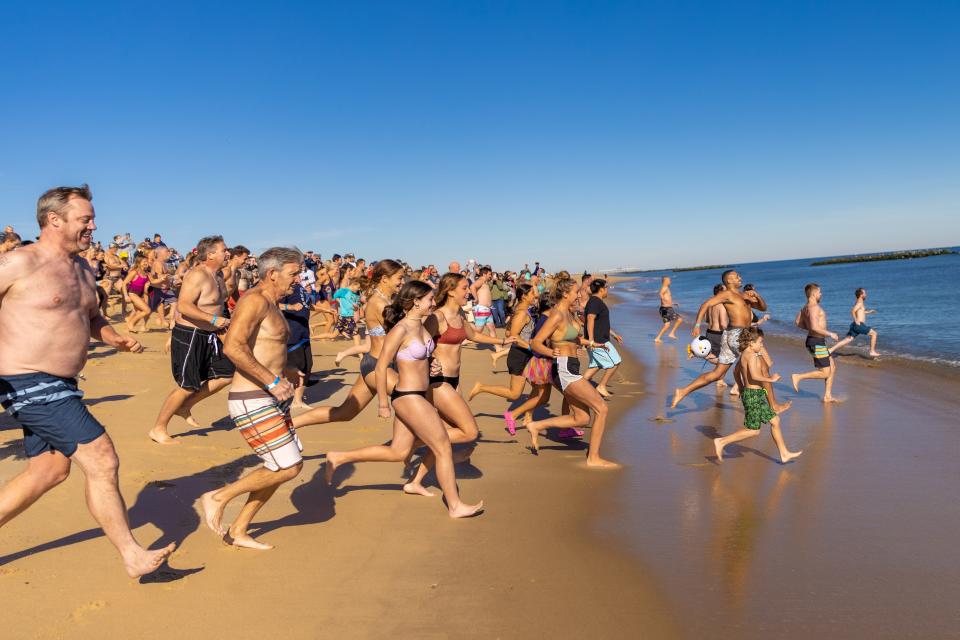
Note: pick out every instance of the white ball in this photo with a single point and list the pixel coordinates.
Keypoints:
(700, 347)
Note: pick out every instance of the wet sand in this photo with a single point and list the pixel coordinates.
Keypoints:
(855, 539)
(359, 560)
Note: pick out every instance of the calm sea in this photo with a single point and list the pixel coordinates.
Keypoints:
(916, 300)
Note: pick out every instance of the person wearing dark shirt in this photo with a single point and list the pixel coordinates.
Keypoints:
(296, 310)
(596, 328)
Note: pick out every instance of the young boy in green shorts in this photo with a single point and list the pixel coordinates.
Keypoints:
(750, 374)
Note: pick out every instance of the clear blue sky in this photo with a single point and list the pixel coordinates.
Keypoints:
(590, 134)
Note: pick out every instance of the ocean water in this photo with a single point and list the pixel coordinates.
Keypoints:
(916, 300)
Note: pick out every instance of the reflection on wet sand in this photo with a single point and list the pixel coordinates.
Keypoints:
(853, 540)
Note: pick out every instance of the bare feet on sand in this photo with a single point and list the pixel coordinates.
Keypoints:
(143, 562)
(534, 433)
(657, 340)
(789, 455)
(718, 448)
(464, 510)
(300, 405)
(600, 463)
(780, 408)
(670, 335)
(676, 399)
(827, 399)
(244, 541)
(602, 390)
(212, 510)
(474, 391)
(333, 461)
(416, 489)
(721, 384)
(160, 436)
(874, 354)
(795, 379)
(339, 358)
(186, 415)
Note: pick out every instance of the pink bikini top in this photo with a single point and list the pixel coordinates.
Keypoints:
(416, 350)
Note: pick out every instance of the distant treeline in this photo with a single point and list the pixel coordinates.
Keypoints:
(877, 257)
(703, 268)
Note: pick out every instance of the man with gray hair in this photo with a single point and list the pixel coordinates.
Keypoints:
(40, 358)
(259, 400)
(200, 368)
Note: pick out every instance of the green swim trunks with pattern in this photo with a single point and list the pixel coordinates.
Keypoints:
(756, 408)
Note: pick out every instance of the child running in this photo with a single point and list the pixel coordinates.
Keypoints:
(750, 374)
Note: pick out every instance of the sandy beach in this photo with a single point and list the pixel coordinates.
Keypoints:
(852, 540)
(359, 559)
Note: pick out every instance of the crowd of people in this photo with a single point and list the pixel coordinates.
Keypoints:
(248, 321)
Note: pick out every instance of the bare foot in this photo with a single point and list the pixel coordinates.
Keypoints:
(795, 379)
(145, 562)
(160, 436)
(600, 463)
(602, 390)
(721, 384)
(676, 399)
(780, 408)
(735, 392)
(474, 391)
(464, 510)
(244, 541)
(658, 340)
(212, 512)
(416, 489)
(493, 364)
(718, 448)
(526, 419)
(167, 345)
(186, 415)
(301, 405)
(339, 358)
(829, 399)
(672, 337)
(534, 433)
(874, 354)
(789, 455)
(331, 465)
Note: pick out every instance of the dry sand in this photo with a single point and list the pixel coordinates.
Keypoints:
(358, 560)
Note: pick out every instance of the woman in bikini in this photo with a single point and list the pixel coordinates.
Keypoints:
(562, 331)
(522, 322)
(383, 283)
(134, 288)
(449, 327)
(410, 346)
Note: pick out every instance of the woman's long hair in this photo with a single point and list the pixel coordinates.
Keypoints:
(561, 286)
(384, 269)
(448, 283)
(522, 290)
(408, 294)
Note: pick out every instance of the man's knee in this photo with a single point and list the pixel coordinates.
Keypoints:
(50, 469)
(290, 472)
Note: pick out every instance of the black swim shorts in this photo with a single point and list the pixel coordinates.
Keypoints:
(197, 356)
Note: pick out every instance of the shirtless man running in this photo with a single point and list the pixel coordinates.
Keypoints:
(259, 399)
(200, 368)
(739, 315)
(113, 266)
(667, 313)
(482, 314)
(859, 325)
(48, 283)
(813, 319)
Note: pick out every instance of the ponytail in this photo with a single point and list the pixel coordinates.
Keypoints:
(408, 295)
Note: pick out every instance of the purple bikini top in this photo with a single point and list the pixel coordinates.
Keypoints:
(416, 350)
